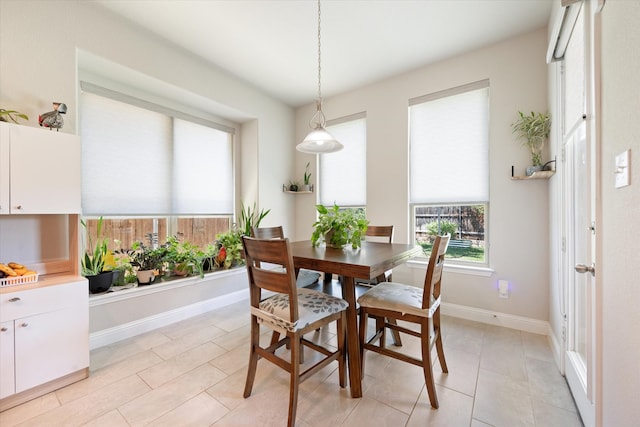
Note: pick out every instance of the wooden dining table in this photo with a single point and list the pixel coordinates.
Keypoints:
(367, 262)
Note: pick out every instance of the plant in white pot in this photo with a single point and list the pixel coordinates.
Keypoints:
(533, 129)
(306, 179)
(339, 227)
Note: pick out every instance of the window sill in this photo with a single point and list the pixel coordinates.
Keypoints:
(453, 268)
(160, 286)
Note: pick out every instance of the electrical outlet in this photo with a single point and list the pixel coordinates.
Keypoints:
(503, 288)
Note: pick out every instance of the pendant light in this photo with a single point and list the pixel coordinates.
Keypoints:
(319, 141)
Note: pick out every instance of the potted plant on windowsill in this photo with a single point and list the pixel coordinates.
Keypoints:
(339, 228)
(147, 260)
(534, 131)
(93, 261)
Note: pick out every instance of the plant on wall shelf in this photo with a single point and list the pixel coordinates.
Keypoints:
(306, 179)
(4, 114)
(534, 131)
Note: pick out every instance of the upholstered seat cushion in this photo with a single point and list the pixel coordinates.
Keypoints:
(312, 306)
(398, 297)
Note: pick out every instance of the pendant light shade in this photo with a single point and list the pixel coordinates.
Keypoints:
(319, 141)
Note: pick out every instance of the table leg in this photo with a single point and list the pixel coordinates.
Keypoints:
(353, 344)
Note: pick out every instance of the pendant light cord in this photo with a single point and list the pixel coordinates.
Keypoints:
(318, 120)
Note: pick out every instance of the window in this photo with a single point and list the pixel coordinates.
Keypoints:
(449, 169)
(342, 174)
(151, 171)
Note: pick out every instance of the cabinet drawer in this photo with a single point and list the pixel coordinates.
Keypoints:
(15, 305)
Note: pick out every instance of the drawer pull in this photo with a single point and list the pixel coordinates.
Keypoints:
(3, 329)
(24, 325)
(16, 299)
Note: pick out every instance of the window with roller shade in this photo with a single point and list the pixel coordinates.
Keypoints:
(449, 169)
(149, 170)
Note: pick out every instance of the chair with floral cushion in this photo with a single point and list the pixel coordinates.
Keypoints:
(292, 312)
(398, 301)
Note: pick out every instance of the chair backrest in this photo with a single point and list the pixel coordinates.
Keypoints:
(280, 280)
(433, 278)
(381, 233)
(267, 232)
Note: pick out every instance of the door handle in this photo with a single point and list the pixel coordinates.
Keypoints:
(581, 268)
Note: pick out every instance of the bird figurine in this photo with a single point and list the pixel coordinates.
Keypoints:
(53, 119)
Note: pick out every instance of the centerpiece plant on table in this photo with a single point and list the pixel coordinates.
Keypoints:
(339, 227)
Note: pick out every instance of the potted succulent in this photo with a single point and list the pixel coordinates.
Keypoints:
(93, 261)
(306, 179)
(339, 227)
(293, 185)
(534, 130)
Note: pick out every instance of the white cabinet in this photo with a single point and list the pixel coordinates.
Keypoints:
(7, 377)
(44, 338)
(40, 171)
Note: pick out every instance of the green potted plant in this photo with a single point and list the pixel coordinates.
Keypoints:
(306, 179)
(293, 185)
(147, 260)
(229, 251)
(251, 218)
(180, 257)
(93, 261)
(339, 227)
(533, 129)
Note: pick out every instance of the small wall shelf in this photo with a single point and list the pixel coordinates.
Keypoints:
(285, 189)
(535, 175)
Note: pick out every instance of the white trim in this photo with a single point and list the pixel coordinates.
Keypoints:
(128, 330)
(453, 268)
(496, 318)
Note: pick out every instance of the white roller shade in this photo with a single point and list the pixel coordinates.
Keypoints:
(449, 146)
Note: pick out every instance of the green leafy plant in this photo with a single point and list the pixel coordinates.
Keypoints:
(251, 218)
(93, 261)
(228, 249)
(146, 257)
(534, 130)
(4, 114)
(181, 257)
(307, 175)
(339, 227)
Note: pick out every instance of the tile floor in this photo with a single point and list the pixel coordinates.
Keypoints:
(192, 373)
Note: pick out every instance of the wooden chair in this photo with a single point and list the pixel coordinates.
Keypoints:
(304, 277)
(397, 301)
(292, 312)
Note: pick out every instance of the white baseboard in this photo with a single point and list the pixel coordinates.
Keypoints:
(557, 350)
(495, 318)
(128, 330)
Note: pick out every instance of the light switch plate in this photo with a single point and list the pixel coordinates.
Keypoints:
(622, 169)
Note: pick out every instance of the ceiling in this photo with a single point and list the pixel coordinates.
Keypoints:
(273, 44)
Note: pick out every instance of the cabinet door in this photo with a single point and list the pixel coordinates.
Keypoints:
(7, 379)
(45, 171)
(4, 169)
(49, 346)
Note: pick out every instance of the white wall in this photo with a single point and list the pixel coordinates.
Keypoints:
(518, 226)
(40, 42)
(621, 215)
